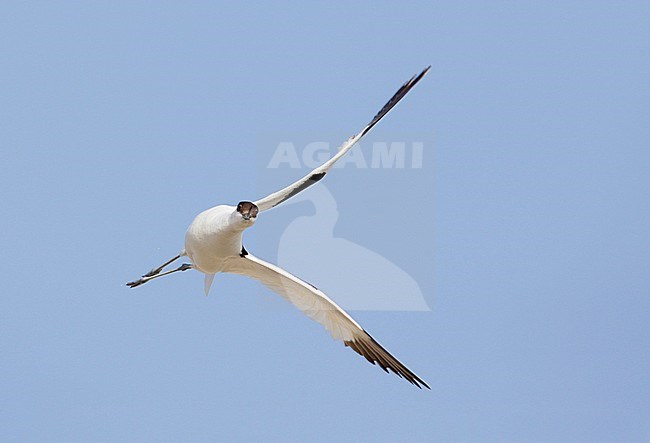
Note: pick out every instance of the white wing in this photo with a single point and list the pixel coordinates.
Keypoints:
(317, 306)
(314, 176)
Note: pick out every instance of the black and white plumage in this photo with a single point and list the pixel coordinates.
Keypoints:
(213, 243)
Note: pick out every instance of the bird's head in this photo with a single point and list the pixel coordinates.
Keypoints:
(247, 211)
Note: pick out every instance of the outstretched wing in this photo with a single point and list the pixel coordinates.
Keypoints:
(317, 174)
(317, 306)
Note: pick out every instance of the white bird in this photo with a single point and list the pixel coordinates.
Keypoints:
(213, 243)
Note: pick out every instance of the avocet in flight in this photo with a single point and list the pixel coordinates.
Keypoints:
(213, 244)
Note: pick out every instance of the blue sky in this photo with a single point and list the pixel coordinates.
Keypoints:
(526, 228)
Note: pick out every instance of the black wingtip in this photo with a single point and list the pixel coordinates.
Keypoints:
(375, 353)
(399, 95)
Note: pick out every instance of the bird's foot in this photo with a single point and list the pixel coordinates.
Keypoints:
(153, 272)
(133, 284)
(145, 278)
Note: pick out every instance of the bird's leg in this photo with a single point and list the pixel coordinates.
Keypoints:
(157, 270)
(146, 278)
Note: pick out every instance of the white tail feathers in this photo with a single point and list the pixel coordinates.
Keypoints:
(208, 282)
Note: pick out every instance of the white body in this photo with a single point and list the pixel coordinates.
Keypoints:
(214, 237)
